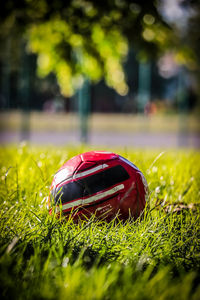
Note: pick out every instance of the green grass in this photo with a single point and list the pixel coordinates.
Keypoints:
(157, 257)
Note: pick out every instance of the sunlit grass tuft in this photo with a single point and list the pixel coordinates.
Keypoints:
(155, 257)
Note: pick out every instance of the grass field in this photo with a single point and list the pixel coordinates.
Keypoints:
(157, 257)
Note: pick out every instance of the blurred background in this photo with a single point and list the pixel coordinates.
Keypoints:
(118, 73)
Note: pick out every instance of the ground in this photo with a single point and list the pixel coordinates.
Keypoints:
(163, 131)
(153, 257)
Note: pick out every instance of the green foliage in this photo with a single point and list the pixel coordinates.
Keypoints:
(155, 257)
(81, 39)
(72, 57)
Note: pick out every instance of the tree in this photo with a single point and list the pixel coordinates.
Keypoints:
(81, 39)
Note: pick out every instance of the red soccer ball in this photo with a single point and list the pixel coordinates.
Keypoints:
(100, 183)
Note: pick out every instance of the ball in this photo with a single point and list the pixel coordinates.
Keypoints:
(98, 183)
